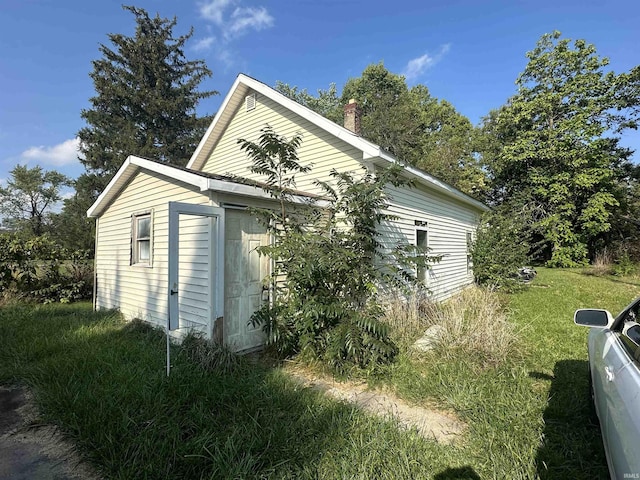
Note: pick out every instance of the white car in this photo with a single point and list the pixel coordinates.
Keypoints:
(614, 365)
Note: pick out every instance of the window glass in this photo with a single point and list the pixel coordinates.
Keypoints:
(421, 238)
(633, 333)
(144, 227)
(144, 250)
(422, 242)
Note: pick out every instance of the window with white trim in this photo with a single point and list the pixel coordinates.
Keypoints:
(422, 242)
(141, 239)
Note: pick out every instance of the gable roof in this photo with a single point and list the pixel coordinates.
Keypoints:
(244, 84)
(202, 180)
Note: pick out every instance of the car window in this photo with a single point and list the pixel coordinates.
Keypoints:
(630, 337)
(632, 331)
(631, 315)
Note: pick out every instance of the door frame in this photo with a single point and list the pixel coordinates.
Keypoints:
(216, 253)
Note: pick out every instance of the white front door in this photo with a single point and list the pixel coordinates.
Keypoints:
(196, 284)
(245, 273)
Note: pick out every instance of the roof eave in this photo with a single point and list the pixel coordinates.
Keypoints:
(369, 149)
(432, 181)
(129, 168)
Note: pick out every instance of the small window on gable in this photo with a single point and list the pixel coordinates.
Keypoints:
(141, 239)
(250, 102)
(422, 242)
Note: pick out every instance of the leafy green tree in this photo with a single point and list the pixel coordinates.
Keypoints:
(276, 158)
(390, 116)
(556, 149)
(448, 144)
(501, 247)
(146, 98)
(71, 227)
(327, 103)
(411, 124)
(27, 200)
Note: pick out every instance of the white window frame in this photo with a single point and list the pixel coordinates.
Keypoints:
(136, 240)
(422, 228)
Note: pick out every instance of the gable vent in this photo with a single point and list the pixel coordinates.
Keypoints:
(250, 102)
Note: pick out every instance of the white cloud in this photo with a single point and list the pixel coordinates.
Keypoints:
(214, 10)
(244, 19)
(230, 20)
(204, 44)
(417, 66)
(64, 153)
(225, 56)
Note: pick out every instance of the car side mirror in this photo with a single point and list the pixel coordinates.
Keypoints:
(591, 317)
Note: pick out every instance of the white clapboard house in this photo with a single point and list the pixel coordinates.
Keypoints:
(176, 246)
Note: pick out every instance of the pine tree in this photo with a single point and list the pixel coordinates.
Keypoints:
(146, 98)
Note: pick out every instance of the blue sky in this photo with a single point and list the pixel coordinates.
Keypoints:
(467, 52)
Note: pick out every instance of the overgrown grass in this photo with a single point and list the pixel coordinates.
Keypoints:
(473, 325)
(407, 316)
(103, 382)
(602, 263)
(529, 417)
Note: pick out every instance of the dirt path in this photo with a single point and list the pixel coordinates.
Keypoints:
(33, 453)
(431, 423)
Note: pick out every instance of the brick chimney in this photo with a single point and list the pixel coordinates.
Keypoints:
(352, 116)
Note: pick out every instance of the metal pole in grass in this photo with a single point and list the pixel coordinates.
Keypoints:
(168, 353)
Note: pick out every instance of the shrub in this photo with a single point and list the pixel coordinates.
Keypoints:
(623, 265)
(328, 263)
(500, 248)
(41, 270)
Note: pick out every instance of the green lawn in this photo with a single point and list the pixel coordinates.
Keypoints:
(104, 384)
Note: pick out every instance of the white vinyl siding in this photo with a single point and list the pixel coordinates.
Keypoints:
(319, 148)
(194, 272)
(138, 292)
(448, 223)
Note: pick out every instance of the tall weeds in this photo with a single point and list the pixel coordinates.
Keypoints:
(474, 326)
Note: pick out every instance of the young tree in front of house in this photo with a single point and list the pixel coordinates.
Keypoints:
(27, 200)
(145, 105)
(328, 262)
(556, 149)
